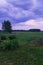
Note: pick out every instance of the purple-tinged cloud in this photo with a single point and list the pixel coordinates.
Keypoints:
(21, 10)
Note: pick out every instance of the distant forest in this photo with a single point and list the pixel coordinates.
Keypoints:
(7, 27)
(30, 30)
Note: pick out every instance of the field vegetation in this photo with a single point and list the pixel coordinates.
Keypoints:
(21, 48)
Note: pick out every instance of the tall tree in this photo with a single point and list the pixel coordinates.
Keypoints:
(6, 26)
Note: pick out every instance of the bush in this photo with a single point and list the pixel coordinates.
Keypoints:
(12, 37)
(14, 44)
(3, 37)
(9, 45)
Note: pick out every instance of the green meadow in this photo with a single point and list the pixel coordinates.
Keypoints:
(28, 52)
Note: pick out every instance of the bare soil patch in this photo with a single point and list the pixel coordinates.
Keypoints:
(37, 42)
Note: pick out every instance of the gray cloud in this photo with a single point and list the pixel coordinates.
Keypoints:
(21, 10)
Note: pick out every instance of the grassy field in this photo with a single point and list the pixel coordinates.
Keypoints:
(25, 54)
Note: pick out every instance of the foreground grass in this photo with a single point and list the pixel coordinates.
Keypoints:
(25, 54)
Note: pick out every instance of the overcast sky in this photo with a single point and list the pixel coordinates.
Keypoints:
(23, 14)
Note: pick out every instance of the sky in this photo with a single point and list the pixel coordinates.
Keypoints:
(23, 14)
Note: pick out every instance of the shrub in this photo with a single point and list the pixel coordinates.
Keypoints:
(3, 37)
(11, 37)
(14, 44)
(9, 45)
(1, 41)
(2, 46)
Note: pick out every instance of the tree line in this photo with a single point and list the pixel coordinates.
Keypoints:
(7, 27)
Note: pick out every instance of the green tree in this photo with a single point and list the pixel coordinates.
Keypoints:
(6, 26)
